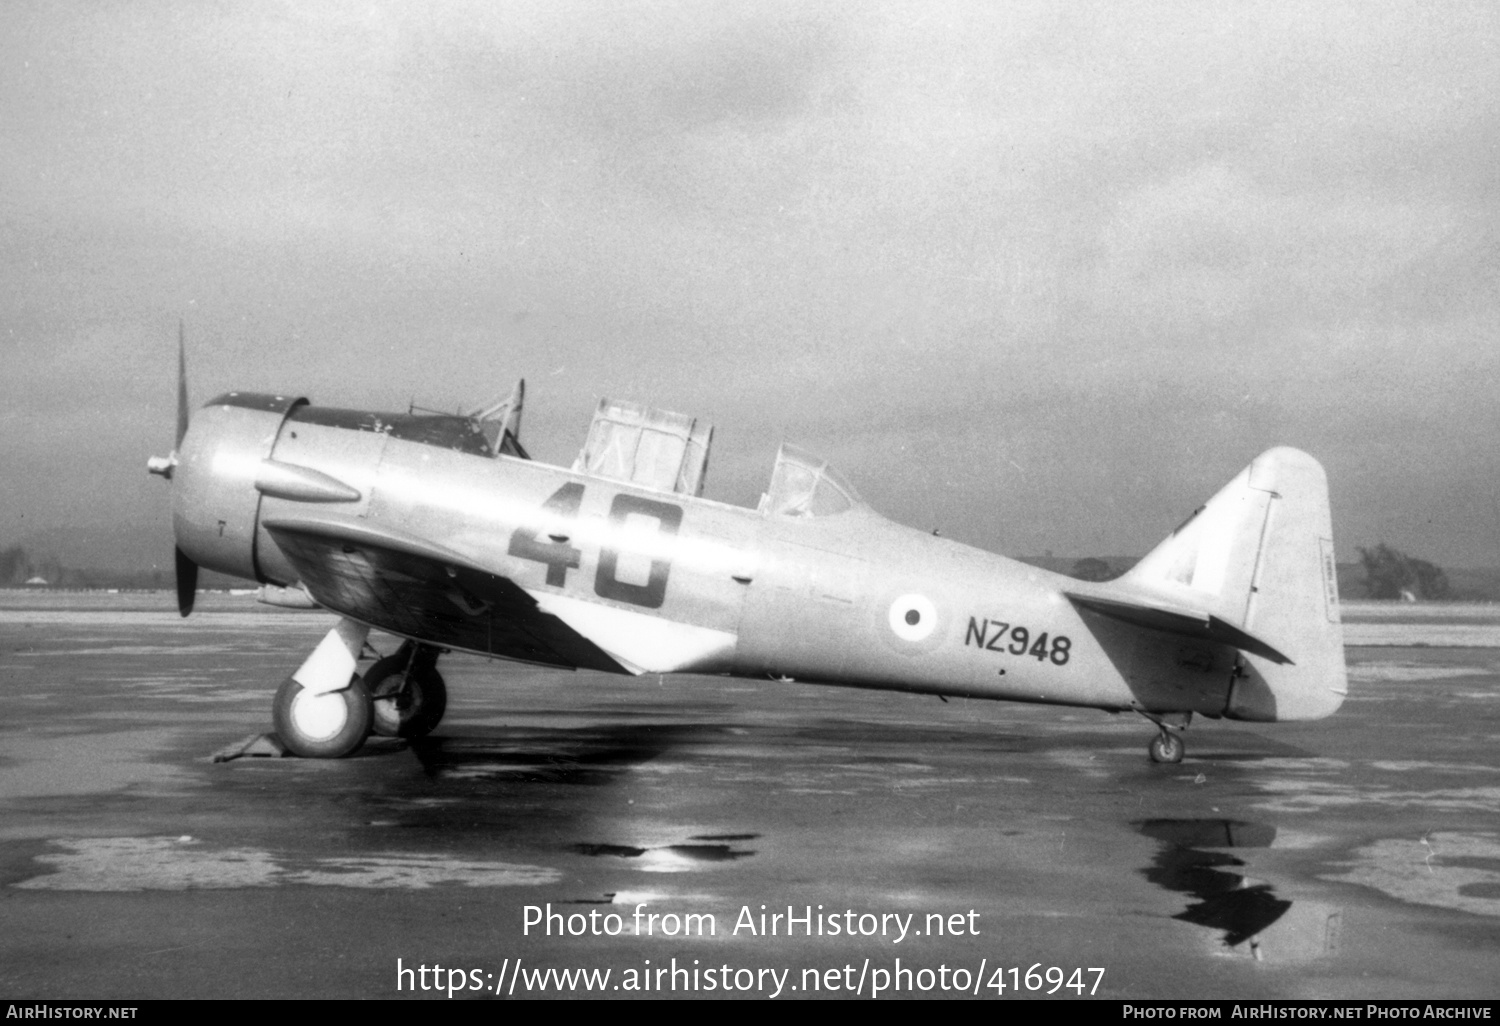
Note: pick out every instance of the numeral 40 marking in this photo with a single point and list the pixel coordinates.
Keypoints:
(559, 556)
(606, 583)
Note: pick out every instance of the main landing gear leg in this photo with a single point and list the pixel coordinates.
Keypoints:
(323, 710)
(408, 692)
(1167, 746)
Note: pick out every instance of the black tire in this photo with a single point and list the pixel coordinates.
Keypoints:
(409, 701)
(327, 726)
(1166, 748)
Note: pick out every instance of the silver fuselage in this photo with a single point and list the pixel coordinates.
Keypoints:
(673, 583)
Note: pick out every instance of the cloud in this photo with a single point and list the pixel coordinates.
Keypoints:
(1124, 245)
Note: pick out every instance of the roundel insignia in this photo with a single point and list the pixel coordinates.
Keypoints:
(913, 617)
(909, 622)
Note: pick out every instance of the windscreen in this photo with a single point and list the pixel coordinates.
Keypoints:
(803, 485)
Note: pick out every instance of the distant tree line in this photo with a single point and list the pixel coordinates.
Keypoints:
(1390, 574)
(13, 565)
(17, 567)
(1092, 568)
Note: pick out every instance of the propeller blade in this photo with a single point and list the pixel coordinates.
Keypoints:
(182, 392)
(187, 582)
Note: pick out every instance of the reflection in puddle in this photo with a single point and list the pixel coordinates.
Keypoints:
(623, 851)
(1192, 861)
(1227, 900)
(707, 852)
(671, 858)
(588, 757)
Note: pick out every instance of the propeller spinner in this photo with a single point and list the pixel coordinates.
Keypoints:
(187, 570)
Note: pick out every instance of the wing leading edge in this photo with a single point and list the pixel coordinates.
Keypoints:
(409, 586)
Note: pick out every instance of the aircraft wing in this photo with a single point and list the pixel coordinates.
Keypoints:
(410, 586)
(1174, 619)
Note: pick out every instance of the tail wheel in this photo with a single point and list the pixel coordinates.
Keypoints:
(409, 699)
(330, 725)
(1166, 747)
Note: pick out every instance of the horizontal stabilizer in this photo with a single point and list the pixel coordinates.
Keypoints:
(1191, 623)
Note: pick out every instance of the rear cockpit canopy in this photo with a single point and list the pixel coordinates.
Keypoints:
(803, 485)
(647, 447)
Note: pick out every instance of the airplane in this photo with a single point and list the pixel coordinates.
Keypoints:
(441, 530)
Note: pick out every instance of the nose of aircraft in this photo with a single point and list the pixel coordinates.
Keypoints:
(215, 501)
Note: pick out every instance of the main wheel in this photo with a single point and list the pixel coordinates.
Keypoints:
(409, 700)
(1166, 747)
(327, 726)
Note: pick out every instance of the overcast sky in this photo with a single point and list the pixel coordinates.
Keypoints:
(1043, 276)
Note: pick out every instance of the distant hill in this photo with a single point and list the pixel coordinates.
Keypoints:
(1067, 565)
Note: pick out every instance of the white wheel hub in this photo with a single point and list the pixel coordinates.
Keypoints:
(319, 717)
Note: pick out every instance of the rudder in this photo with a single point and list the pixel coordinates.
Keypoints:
(1294, 598)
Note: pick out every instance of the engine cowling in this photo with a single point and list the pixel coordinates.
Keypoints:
(215, 501)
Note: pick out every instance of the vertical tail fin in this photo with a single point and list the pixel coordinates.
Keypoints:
(1259, 556)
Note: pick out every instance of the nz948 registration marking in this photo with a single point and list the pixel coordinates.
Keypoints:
(1004, 637)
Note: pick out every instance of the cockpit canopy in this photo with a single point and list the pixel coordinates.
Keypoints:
(647, 447)
(803, 485)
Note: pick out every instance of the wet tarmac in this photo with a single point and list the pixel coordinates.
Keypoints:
(553, 814)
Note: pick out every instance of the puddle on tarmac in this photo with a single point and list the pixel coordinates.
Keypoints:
(623, 851)
(1195, 859)
(184, 863)
(1447, 869)
(586, 757)
(672, 858)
